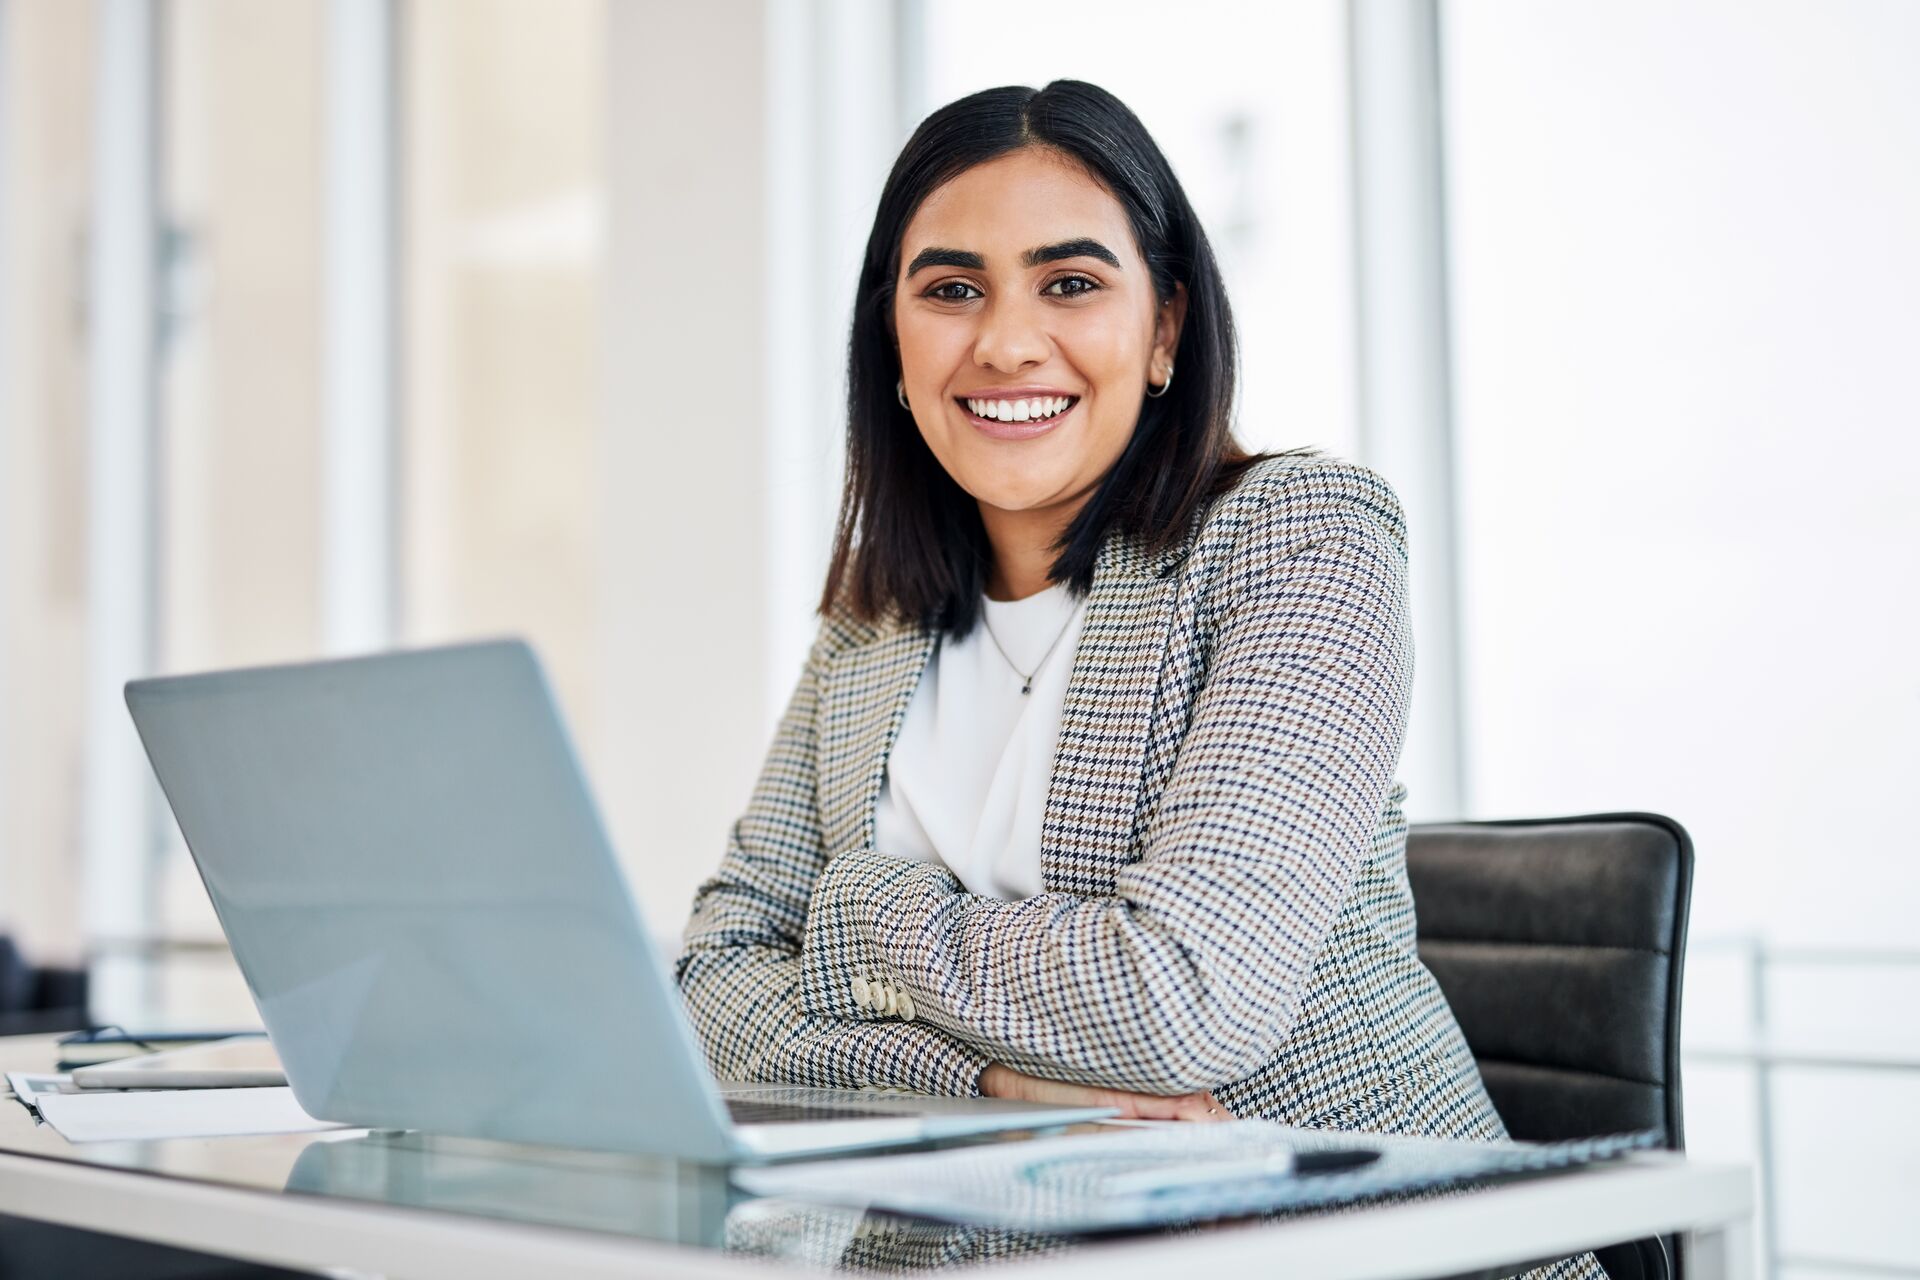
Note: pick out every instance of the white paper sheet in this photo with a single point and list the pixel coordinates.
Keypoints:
(176, 1113)
(29, 1086)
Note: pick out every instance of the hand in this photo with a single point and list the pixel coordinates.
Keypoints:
(998, 1081)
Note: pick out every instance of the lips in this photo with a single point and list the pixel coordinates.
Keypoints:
(999, 430)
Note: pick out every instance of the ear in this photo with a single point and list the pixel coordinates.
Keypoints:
(1166, 327)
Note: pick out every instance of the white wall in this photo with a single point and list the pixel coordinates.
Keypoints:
(684, 604)
(747, 146)
(1686, 290)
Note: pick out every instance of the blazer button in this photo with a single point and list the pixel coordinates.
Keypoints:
(861, 996)
(906, 1007)
(890, 997)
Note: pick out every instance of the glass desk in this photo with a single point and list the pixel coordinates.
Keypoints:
(408, 1204)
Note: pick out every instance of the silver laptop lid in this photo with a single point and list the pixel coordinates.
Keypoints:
(409, 867)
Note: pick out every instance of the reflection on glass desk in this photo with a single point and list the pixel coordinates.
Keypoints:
(670, 1201)
(658, 1199)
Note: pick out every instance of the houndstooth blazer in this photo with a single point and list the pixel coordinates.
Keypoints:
(1225, 902)
(1225, 898)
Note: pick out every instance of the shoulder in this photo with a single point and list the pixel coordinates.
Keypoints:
(839, 631)
(1302, 544)
(1287, 502)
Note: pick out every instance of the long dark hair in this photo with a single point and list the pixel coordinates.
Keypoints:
(910, 542)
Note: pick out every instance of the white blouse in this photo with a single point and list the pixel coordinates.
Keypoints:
(966, 783)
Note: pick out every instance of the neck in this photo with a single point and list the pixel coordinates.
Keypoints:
(1023, 551)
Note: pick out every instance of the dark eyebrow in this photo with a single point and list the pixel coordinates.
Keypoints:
(1084, 247)
(946, 258)
(1081, 248)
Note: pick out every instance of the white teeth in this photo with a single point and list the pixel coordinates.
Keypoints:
(1020, 410)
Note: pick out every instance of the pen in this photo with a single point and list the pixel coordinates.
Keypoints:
(1181, 1176)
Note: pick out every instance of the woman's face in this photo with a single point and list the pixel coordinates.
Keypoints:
(1019, 281)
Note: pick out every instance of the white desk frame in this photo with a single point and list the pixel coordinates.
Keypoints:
(1649, 1194)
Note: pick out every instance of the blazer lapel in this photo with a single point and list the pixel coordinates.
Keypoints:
(1086, 831)
(1086, 834)
(862, 706)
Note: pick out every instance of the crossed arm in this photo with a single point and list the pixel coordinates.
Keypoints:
(740, 965)
(1186, 978)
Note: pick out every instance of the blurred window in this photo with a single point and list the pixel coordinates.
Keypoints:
(497, 263)
(46, 121)
(502, 196)
(241, 255)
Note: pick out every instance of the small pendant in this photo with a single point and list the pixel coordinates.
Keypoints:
(1027, 687)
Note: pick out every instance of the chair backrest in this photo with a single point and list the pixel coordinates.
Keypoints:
(36, 999)
(1560, 944)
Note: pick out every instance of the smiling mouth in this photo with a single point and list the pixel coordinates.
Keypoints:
(1017, 419)
(1037, 409)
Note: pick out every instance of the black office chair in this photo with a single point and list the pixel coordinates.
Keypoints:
(36, 999)
(1560, 944)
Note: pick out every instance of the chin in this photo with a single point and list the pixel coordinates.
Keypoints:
(1025, 492)
(1014, 479)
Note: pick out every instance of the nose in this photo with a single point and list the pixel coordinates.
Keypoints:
(1011, 335)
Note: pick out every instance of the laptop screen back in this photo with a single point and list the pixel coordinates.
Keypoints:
(407, 863)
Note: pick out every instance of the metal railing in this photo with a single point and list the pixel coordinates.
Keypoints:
(1766, 1057)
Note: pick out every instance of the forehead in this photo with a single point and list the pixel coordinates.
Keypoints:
(1014, 202)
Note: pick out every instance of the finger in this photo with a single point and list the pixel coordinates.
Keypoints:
(1202, 1107)
(1149, 1106)
(1153, 1106)
(1197, 1106)
(1191, 1107)
(1008, 1083)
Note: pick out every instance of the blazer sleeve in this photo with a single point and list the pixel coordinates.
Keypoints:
(739, 965)
(1190, 975)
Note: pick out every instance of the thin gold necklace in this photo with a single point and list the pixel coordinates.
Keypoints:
(1026, 677)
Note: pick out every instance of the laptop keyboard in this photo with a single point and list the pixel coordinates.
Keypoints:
(750, 1111)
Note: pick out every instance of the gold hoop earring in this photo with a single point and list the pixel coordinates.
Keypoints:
(1155, 395)
(900, 393)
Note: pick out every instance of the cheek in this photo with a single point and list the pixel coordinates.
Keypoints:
(928, 347)
(1106, 348)
(1108, 431)
(1109, 358)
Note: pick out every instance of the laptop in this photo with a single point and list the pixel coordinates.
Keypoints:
(418, 889)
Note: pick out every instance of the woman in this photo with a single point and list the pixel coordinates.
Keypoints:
(1086, 790)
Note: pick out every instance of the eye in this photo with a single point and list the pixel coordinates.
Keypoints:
(1090, 286)
(939, 291)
